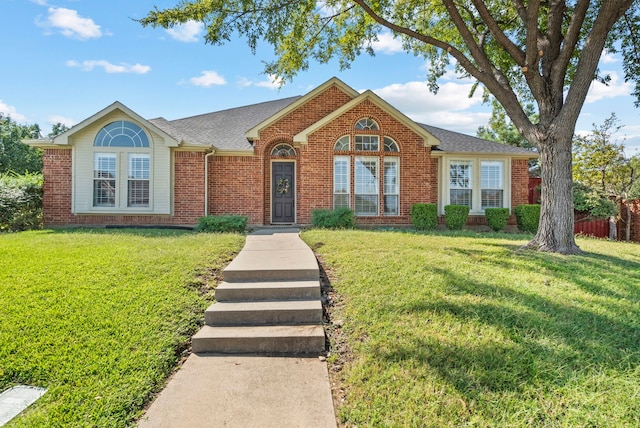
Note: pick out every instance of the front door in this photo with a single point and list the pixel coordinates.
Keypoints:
(283, 195)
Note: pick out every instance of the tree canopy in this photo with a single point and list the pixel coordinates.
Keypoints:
(14, 155)
(543, 53)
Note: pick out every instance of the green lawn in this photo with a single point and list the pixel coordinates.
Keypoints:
(463, 329)
(100, 318)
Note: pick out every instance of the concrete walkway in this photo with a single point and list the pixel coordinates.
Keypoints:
(250, 390)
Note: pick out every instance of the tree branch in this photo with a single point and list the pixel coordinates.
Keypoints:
(514, 51)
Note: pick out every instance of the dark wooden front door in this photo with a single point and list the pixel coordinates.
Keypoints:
(283, 194)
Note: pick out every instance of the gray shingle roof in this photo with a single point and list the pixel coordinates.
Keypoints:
(454, 142)
(223, 129)
(226, 130)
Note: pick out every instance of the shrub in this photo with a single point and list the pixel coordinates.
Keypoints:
(20, 202)
(424, 216)
(528, 217)
(497, 218)
(222, 223)
(340, 218)
(455, 216)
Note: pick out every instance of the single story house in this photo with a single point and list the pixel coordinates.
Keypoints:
(274, 162)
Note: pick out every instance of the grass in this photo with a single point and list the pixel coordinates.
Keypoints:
(463, 329)
(100, 318)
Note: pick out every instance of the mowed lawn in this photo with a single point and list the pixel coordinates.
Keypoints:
(100, 317)
(451, 330)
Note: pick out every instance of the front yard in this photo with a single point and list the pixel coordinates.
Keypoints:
(100, 318)
(450, 330)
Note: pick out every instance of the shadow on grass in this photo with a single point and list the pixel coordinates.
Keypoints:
(544, 340)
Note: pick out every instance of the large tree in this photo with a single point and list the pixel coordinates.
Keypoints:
(544, 52)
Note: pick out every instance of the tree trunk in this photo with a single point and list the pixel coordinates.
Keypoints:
(555, 230)
(613, 228)
(627, 229)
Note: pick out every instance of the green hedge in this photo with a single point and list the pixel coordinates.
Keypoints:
(528, 217)
(455, 216)
(20, 202)
(222, 223)
(424, 216)
(340, 218)
(497, 218)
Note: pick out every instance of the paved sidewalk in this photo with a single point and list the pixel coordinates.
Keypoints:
(250, 391)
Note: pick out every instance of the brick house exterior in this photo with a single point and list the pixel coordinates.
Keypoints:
(274, 162)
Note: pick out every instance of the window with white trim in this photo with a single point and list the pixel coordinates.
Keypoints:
(104, 180)
(461, 183)
(122, 167)
(343, 144)
(138, 184)
(492, 184)
(367, 123)
(341, 185)
(367, 143)
(366, 186)
(391, 185)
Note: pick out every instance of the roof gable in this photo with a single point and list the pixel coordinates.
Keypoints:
(428, 138)
(63, 139)
(254, 133)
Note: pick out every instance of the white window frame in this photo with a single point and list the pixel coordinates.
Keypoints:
(490, 183)
(476, 180)
(138, 176)
(346, 176)
(366, 190)
(98, 159)
(391, 190)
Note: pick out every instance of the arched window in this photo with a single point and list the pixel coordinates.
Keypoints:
(121, 133)
(121, 167)
(368, 124)
(283, 150)
(390, 145)
(343, 144)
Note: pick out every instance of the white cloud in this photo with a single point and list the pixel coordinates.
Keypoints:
(271, 82)
(70, 24)
(7, 110)
(608, 58)
(207, 79)
(617, 87)
(387, 44)
(69, 122)
(109, 67)
(40, 2)
(447, 109)
(187, 32)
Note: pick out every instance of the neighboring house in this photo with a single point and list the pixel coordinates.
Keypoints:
(274, 162)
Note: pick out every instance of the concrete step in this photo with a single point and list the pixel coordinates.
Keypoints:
(280, 290)
(268, 312)
(272, 265)
(271, 340)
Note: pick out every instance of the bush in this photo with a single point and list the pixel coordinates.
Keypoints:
(455, 216)
(424, 216)
(528, 217)
(20, 202)
(340, 218)
(497, 218)
(222, 223)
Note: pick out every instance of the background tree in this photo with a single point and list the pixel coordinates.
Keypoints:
(14, 155)
(543, 52)
(600, 163)
(57, 129)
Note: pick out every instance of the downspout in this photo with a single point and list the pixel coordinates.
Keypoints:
(206, 180)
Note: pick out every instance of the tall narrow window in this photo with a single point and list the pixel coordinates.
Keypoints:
(341, 182)
(366, 186)
(460, 183)
(138, 183)
(391, 187)
(104, 180)
(492, 184)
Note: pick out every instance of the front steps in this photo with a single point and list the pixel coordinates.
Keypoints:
(269, 302)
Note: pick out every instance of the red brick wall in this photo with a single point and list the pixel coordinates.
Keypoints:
(236, 187)
(188, 187)
(519, 182)
(57, 187)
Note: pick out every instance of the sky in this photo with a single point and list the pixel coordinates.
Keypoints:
(65, 60)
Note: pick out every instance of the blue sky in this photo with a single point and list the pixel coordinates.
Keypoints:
(64, 60)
